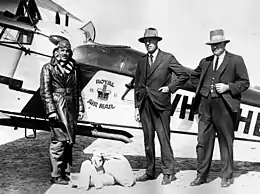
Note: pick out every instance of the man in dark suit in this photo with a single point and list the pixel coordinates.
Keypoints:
(153, 85)
(220, 80)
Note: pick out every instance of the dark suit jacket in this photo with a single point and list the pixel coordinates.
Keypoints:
(147, 82)
(233, 72)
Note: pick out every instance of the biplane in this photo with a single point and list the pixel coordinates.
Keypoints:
(107, 78)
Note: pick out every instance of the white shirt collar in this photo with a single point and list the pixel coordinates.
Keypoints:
(155, 54)
(220, 59)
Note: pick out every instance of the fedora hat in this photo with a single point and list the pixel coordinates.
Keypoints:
(150, 33)
(217, 36)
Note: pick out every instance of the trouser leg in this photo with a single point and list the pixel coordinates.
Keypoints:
(149, 134)
(224, 121)
(162, 125)
(206, 138)
(56, 151)
(68, 158)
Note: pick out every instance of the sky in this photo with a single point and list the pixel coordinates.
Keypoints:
(184, 26)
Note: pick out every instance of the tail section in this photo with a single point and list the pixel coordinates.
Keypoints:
(89, 31)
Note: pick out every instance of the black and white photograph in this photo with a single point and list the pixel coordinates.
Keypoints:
(140, 96)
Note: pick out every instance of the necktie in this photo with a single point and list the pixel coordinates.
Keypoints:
(216, 64)
(150, 59)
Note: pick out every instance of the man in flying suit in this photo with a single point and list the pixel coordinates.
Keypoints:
(61, 95)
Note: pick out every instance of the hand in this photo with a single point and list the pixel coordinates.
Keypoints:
(81, 115)
(137, 115)
(53, 116)
(164, 89)
(221, 88)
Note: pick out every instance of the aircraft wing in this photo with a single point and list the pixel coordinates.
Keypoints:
(5, 21)
(52, 6)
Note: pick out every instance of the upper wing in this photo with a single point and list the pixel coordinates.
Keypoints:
(52, 6)
(13, 5)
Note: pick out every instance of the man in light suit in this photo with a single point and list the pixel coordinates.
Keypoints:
(220, 80)
(153, 88)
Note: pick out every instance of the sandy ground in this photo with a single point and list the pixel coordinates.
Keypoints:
(25, 166)
(8, 134)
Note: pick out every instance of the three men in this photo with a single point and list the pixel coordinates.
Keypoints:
(153, 88)
(222, 77)
(60, 92)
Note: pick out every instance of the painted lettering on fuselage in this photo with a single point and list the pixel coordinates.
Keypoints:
(100, 105)
(104, 91)
(186, 109)
(185, 106)
(105, 82)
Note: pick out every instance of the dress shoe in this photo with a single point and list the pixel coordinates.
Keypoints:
(66, 178)
(58, 180)
(198, 181)
(167, 179)
(144, 177)
(225, 182)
